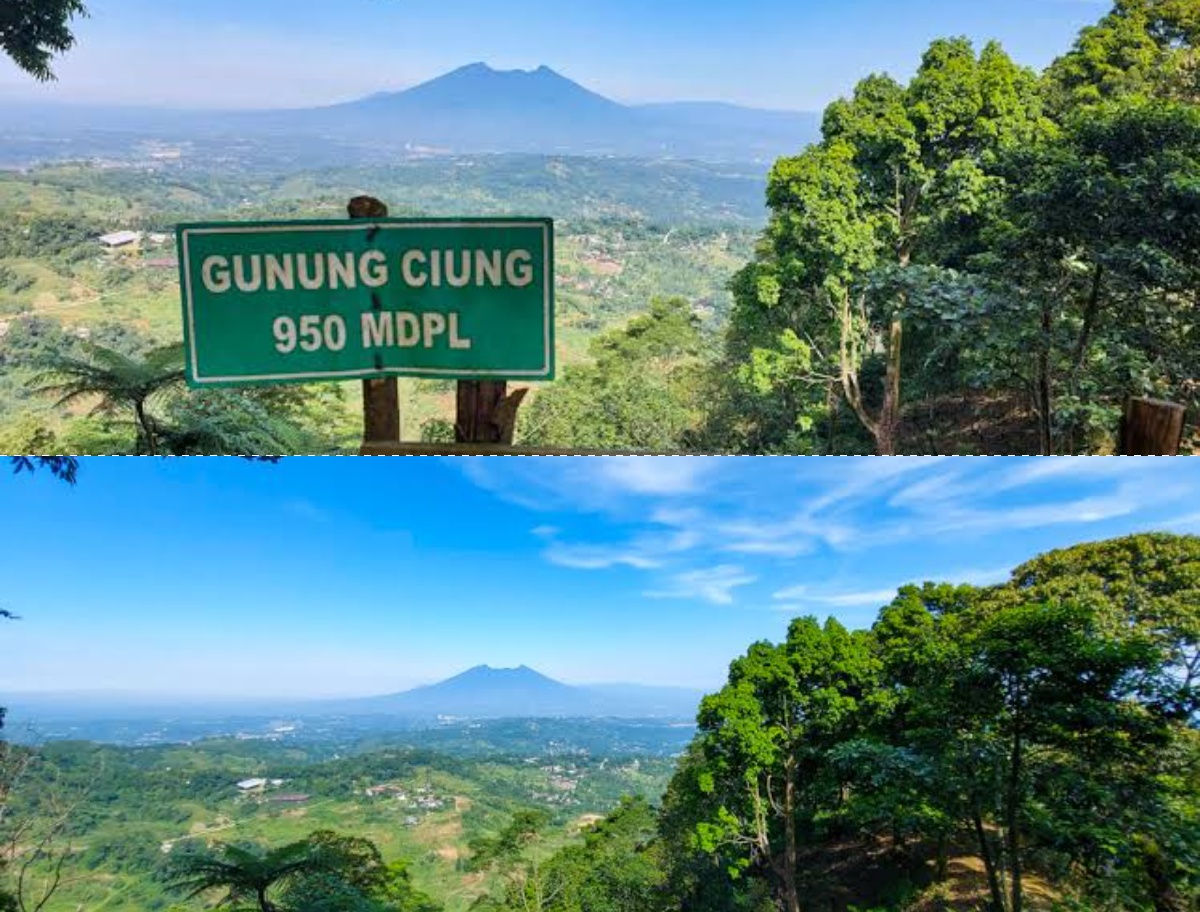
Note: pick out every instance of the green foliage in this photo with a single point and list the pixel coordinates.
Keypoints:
(33, 31)
(641, 392)
(116, 382)
(617, 867)
(1141, 48)
(905, 179)
(1047, 725)
(506, 847)
(325, 871)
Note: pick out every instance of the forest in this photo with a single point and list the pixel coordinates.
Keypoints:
(984, 259)
(1029, 745)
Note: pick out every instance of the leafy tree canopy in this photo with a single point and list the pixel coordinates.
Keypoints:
(33, 31)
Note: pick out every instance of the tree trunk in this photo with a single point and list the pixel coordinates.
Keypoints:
(1013, 818)
(790, 858)
(144, 431)
(834, 400)
(264, 904)
(989, 862)
(1044, 395)
(942, 859)
(1090, 312)
(889, 418)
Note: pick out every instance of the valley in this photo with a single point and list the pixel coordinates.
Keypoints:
(134, 809)
(424, 774)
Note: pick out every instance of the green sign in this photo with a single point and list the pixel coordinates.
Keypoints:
(295, 302)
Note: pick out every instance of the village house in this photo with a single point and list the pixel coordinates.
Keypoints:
(120, 240)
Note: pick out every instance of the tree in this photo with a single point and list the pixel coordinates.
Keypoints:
(1095, 249)
(616, 868)
(903, 178)
(641, 391)
(504, 849)
(245, 874)
(765, 740)
(33, 31)
(325, 871)
(37, 834)
(1047, 711)
(119, 381)
(1141, 48)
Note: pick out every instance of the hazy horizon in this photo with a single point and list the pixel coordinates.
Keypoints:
(763, 54)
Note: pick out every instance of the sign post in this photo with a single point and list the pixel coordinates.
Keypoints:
(374, 298)
(381, 398)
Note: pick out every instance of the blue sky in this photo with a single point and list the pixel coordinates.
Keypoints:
(326, 576)
(792, 54)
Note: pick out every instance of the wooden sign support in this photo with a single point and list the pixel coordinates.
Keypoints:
(381, 398)
(1152, 427)
(487, 412)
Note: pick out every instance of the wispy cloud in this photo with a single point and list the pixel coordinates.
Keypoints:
(807, 597)
(589, 484)
(703, 528)
(657, 475)
(867, 599)
(648, 551)
(715, 584)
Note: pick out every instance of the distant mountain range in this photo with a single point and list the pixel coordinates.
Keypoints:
(472, 110)
(480, 693)
(497, 693)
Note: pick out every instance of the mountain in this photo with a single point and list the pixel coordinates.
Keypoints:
(474, 109)
(479, 109)
(492, 693)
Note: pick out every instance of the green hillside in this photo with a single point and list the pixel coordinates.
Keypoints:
(627, 232)
(135, 808)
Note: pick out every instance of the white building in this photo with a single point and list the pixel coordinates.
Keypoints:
(249, 785)
(119, 239)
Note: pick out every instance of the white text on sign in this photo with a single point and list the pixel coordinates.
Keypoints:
(252, 273)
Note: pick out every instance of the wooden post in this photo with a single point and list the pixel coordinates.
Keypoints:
(487, 413)
(381, 398)
(1152, 427)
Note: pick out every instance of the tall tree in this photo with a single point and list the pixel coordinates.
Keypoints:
(903, 178)
(1095, 254)
(1140, 48)
(765, 740)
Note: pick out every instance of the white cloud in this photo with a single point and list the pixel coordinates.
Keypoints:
(714, 584)
(656, 475)
(1186, 523)
(644, 552)
(864, 599)
(594, 557)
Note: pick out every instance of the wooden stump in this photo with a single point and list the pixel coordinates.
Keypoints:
(487, 413)
(1152, 427)
(381, 398)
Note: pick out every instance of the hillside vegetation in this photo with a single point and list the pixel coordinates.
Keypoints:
(626, 231)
